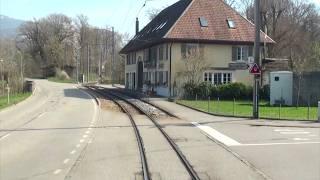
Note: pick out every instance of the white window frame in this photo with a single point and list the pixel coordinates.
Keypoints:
(223, 73)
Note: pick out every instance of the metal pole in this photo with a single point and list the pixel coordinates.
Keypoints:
(113, 57)
(208, 104)
(88, 65)
(2, 77)
(256, 59)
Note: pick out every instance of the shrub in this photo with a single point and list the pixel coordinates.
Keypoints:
(225, 91)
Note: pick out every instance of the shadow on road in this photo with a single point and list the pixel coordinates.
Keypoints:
(76, 93)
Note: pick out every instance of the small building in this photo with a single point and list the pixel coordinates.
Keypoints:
(191, 40)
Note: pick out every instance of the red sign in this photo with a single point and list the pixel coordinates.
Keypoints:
(255, 69)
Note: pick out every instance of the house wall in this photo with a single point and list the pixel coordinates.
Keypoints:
(217, 59)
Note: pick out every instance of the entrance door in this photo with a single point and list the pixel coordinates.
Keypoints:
(140, 75)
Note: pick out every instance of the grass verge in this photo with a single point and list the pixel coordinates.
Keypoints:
(14, 99)
(244, 109)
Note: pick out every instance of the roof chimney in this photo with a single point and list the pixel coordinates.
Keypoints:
(137, 25)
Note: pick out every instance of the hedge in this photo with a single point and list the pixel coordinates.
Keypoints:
(224, 91)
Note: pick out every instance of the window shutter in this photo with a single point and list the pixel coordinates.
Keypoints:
(234, 53)
(245, 51)
(250, 51)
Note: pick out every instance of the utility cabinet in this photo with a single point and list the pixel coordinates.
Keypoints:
(281, 87)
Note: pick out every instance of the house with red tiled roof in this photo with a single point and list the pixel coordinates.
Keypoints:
(208, 31)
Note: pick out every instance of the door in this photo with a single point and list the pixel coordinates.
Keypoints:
(140, 75)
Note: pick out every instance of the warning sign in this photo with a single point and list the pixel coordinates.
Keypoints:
(255, 69)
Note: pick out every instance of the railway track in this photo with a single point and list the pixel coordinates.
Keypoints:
(145, 170)
(152, 113)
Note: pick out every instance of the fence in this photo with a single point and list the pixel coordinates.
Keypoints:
(243, 108)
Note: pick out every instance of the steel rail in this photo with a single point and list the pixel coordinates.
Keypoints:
(145, 169)
(174, 146)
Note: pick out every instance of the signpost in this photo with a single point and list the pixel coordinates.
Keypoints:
(255, 69)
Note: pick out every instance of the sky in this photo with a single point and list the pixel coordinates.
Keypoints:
(120, 14)
(101, 13)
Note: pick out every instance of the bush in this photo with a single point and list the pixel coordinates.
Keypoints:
(62, 75)
(225, 91)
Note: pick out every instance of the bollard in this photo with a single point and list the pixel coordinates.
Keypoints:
(319, 111)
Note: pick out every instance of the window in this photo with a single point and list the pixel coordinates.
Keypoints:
(146, 55)
(205, 77)
(165, 79)
(241, 53)
(167, 51)
(160, 78)
(191, 50)
(231, 24)
(218, 78)
(203, 22)
(161, 52)
(128, 59)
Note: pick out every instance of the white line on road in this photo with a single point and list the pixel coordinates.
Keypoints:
(312, 135)
(87, 132)
(78, 145)
(301, 139)
(89, 128)
(81, 140)
(66, 161)
(57, 171)
(300, 132)
(287, 130)
(85, 136)
(217, 135)
(271, 144)
(5, 136)
(72, 152)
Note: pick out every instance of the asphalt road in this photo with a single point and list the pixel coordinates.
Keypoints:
(282, 150)
(42, 137)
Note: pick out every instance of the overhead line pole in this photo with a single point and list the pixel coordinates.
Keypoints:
(113, 57)
(256, 59)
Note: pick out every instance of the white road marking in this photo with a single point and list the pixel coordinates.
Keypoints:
(298, 132)
(90, 141)
(287, 130)
(66, 161)
(271, 144)
(57, 171)
(217, 135)
(87, 132)
(5, 136)
(78, 145)
(89, 128)
(72, 152)
(91, 125)
(301, 139)
(85, 136)
(81, 140)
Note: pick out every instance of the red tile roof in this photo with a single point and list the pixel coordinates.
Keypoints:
(217, 12)
(181, 23)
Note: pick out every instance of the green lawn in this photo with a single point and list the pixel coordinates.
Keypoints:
(55, 79)
(244, 108)
(14, 99)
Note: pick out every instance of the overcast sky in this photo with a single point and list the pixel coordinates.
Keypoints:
(118, 13)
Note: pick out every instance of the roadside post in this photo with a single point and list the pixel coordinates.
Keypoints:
(319, 111)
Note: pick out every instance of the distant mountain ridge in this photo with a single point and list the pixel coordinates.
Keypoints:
(9, 26)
